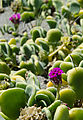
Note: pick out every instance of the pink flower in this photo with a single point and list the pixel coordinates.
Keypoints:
(18, 15)
(55, 75)
(15, 18)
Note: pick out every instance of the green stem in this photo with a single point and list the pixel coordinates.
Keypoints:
(58, 96)
(16, 27)
(52, 54)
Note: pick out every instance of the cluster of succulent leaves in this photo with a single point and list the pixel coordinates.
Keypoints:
(42, 48)
(34, 54)
(22, 58)
(43, 8)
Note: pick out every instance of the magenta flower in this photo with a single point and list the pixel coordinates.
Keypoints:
(15, 18)
(55, 76)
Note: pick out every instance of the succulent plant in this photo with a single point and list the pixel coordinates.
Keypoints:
(16, 6)
(32, 113)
